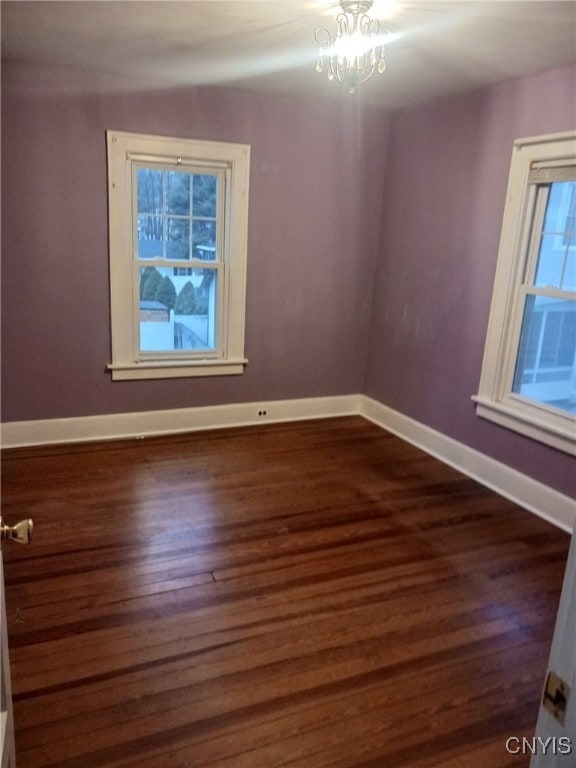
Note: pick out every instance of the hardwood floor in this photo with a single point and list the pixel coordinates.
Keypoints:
(310, 595)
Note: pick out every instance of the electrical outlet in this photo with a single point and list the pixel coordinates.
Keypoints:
(262, 412)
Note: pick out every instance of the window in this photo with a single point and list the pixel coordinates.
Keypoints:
(528, 380)
(178, 212)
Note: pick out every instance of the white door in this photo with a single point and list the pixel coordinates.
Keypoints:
(22, 533)
(6, 722)
(555, 745)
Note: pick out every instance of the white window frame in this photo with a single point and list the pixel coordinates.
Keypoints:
(127, 151)
(495, 400)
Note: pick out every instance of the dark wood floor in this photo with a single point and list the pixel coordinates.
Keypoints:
(313, 595)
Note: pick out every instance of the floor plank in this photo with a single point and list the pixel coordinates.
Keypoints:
(303, 595)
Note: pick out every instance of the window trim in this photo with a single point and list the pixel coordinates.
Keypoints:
(126, 151)
(495, 401)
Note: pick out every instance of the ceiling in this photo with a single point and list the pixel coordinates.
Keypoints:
(268, 45)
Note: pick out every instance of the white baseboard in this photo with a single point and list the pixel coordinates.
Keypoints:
(116, 426)
(543, 501)
(555, 507)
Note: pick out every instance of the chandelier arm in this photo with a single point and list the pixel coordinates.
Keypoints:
(372, 26)
(323, 36)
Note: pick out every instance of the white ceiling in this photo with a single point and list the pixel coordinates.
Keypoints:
(268, 45)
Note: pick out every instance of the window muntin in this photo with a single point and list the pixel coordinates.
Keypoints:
(528, 373)
(556, 264)
(178, 212)
(179, 217)
(545, 370)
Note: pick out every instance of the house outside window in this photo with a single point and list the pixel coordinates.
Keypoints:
(528, 380)
(178, 212)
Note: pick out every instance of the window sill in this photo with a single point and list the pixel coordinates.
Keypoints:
(173, 369)
(548, 428)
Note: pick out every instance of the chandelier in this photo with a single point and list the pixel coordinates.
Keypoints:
(356, 51)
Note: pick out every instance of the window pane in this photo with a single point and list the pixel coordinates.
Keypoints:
(149, 184)
(569, 279)
(204, 240)
(561, 195)
(556, 264)
(177, 311)
(204, 195)
(150, 241)
(528, 351)
(545, 371)
(178, 244)
(178, 193)
(557, 255)
(195, 311)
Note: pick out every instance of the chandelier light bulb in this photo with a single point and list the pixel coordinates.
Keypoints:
(351, 46)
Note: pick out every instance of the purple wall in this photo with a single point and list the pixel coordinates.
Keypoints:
(445, 184)
(312, 241)
(317, 318)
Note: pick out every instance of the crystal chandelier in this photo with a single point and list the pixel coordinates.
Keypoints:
(356, 51)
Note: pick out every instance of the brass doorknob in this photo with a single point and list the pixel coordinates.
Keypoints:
(21, 532)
